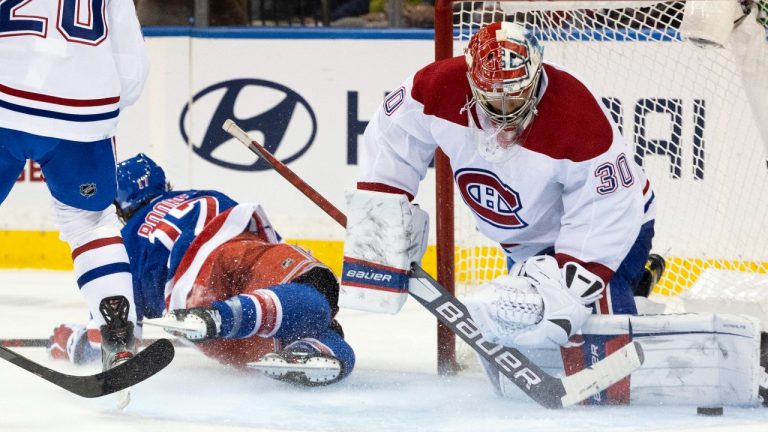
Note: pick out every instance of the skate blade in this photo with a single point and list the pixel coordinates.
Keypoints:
(123, 398)
(315, 370)
(174, 325)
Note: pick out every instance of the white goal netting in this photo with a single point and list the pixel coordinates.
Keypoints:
(694, 112)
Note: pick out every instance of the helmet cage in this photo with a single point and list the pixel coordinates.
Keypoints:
(504, 64)
(521, 117)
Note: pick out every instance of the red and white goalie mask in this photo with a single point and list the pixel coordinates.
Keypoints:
(504, 68)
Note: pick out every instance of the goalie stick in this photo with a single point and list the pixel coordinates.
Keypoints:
(143, 365)
(547, 390)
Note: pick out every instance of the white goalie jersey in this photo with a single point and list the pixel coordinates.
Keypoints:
(573, 184)
(68, 67)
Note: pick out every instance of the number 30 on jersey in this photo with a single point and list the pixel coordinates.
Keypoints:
(611, 174)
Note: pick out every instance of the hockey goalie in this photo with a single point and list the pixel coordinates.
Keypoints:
(568, 316)
(545, 170)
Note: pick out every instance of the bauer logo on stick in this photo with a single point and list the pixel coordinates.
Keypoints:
(503, 359)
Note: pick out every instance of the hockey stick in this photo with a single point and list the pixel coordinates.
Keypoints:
(45, 343)
(545, 389)
(143, 365)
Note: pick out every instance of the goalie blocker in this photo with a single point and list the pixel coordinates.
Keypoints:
(699, 359)
(385, 234)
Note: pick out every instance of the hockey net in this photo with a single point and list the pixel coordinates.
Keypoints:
(695, 112)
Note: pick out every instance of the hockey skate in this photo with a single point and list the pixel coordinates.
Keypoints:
(117, 341)
(300, 366)
(654, 269)
(197, 324)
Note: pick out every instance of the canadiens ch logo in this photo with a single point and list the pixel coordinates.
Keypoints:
(514, 60)
(489, 198)
(278, 116)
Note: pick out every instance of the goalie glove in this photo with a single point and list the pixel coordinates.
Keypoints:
(564, 295)
(583, 285)
(385, 234)
(504, 307)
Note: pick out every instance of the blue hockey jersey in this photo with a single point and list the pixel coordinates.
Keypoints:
(157, 237)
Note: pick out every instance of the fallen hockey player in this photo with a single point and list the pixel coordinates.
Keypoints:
(215, 272)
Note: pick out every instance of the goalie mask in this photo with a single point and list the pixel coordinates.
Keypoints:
(139, 180)
(504, 68)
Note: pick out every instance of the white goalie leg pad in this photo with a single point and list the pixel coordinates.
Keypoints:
(702, 359)
(385, 234)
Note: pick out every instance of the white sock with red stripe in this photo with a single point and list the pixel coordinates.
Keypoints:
(100, 260)
(102, 270)
(250, 314)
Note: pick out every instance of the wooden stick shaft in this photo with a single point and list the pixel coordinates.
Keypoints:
(234, 130)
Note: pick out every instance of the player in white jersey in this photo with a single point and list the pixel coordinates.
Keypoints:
(68, 68)
(541, 164)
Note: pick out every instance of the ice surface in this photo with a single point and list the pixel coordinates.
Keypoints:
(394, 387)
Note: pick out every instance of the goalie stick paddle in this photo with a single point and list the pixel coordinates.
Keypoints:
(547, 390)
(143, 365)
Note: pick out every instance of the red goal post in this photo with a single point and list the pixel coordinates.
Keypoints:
(691, 96)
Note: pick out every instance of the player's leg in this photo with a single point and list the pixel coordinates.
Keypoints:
(263, 306)
(315, 352)
(723, 369)
(12, 160)
(619, 297)
(285, 311)
(310, 361)
(298, 314)
(81, 178)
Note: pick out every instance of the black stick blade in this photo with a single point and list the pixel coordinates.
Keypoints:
(143, 365)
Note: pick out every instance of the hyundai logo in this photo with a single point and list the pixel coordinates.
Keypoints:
(275, 115)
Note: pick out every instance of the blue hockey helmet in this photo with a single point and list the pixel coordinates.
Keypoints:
(139, 180)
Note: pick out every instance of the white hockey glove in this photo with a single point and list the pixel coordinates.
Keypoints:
(564, 294)
(505, 306)
(385, 234)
